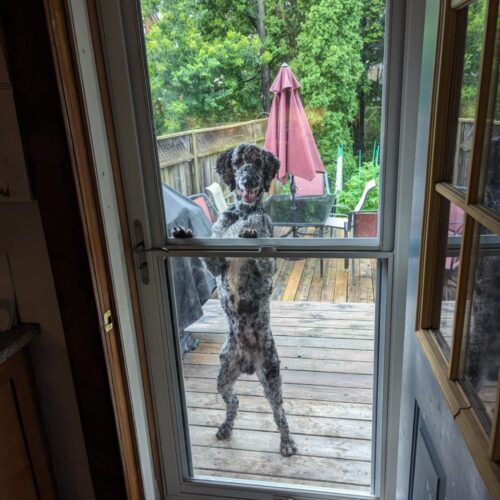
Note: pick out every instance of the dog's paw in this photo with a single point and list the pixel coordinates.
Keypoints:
(182, 233)
(288, 447)
(248, 233)
(224, 431)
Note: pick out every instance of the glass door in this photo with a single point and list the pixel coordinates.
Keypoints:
(260, 178)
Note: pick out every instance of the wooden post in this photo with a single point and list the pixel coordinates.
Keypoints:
(197, 187)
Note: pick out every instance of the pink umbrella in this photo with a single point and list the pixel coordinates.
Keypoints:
(288, 133)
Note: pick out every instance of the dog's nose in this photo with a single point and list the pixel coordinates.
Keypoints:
(247, 183)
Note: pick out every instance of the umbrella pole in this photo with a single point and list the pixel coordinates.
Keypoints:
(293, 189)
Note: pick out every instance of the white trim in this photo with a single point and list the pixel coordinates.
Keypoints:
(413, 20)
(113, 236)
(124, 58)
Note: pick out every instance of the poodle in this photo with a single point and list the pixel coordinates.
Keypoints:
(245, 287)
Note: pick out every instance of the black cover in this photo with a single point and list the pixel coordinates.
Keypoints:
(193, 283)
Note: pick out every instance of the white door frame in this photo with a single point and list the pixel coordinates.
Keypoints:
(126, 70)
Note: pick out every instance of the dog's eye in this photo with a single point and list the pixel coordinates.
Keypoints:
(258, 162)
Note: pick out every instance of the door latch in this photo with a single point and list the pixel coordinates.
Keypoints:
(108, 321)
(140, 254)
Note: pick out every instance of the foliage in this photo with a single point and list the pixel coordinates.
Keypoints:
(194, 80)
(329, 67)
(354, 187)
(206, 60)
(283, 22)
(472, 59)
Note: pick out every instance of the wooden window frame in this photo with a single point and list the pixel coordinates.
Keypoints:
(485, 449)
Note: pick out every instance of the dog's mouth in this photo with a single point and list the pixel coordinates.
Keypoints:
(249, 195)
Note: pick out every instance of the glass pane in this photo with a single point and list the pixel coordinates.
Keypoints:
(462, 148)
(481, 356)
(453, 229)
(218, 81)
(317, 317)
(490, 194)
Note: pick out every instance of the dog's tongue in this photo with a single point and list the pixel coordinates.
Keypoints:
(249, 196)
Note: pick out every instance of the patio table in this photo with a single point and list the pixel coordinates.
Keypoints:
(308, 211)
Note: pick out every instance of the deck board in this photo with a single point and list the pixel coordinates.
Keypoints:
(326, 352)
(301, 280)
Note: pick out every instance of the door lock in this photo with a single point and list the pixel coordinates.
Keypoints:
(108, 321)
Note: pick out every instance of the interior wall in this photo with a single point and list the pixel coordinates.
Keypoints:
(22, 237)
(49, 151)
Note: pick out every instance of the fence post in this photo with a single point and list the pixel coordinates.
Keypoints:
(197, 188)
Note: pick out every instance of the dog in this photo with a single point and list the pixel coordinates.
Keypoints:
(245, 287)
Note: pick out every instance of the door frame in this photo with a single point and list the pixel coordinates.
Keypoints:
(123, 55)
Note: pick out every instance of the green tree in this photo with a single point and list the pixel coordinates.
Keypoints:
(198, 81)
(212, 61)
(370, 88)
(328, 65)
(476, 13)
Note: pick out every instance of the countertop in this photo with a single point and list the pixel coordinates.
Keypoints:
(12, 341)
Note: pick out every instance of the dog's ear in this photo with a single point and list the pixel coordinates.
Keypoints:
(224, 167)
(271, 168)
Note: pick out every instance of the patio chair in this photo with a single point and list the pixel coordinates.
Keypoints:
(319, 186)
(217, 195)
(344, 221)
(451, 265)
(206, 205)
(363, 224)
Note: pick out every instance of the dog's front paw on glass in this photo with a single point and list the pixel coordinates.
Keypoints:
(248, 233)
(288, 447)
(182, 233)
(224, 431)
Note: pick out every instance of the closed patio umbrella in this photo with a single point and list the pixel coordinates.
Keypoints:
(288, 133)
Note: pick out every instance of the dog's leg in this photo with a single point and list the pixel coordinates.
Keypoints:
(215, 265)
(270, 378)
(228, 374)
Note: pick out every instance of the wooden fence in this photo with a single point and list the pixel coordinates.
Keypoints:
(463, 150)
(187, 159)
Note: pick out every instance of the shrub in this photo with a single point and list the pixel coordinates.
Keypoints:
(354, 187)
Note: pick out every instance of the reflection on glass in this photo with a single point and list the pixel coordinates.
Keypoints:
(481, 357)
(468, 92)
(317, 318)
(454, 229)
(228, 73)
(490, 194)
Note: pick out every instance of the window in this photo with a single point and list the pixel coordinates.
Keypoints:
(220, 76)
(458, 321)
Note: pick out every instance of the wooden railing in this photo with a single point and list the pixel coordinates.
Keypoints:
(187, 159)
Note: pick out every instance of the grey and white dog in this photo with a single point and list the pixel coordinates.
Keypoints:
(245, 287)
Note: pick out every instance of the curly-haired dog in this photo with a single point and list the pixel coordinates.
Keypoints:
(245, 287)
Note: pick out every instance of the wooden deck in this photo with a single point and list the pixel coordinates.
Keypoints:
(326, 353)
(301, 280)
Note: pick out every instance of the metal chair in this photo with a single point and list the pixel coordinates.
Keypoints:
(344, 221)
(452, 263)
(217, 195)
(202, 200)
